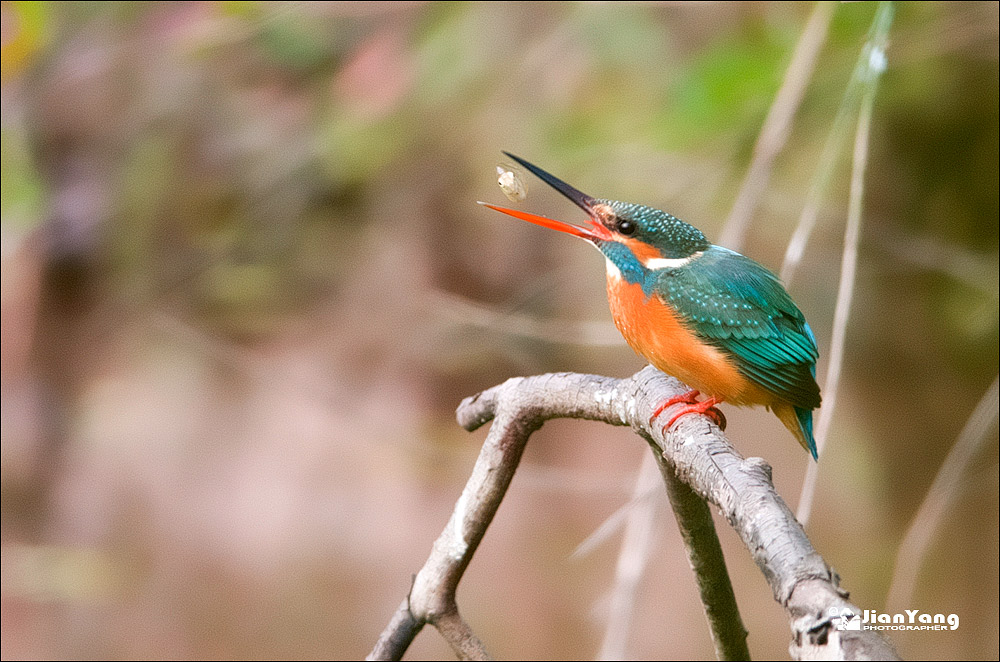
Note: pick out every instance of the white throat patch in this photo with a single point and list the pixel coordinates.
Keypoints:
(614, 272)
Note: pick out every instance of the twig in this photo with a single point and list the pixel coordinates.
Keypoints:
(946, 483)
(403, 627)
(852, 234)
(817, 191)
(463, 640)
(776, 129)
(613, 522)
(591, 334)
(432, 597)
(862, 78)
(636, 545)
(700, 456)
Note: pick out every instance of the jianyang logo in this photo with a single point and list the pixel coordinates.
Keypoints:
(846, 619)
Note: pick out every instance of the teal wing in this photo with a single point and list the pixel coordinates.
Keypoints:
(743, 309)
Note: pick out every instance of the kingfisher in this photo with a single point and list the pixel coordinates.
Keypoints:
(715, 319)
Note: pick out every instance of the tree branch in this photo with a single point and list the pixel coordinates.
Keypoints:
(694, 451)
(705, 556)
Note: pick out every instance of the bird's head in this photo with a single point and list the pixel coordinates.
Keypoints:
(654, 237)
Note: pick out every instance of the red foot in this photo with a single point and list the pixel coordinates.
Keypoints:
(689, 398)
(707, 408)
(692, 407)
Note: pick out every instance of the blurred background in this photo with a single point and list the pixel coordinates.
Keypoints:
(245, 284)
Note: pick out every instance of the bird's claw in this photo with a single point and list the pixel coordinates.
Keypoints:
(689, 398)
(707, 408)
(692, 406)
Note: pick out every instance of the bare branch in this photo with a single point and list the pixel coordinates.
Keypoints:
(777, 126)
(700, 456)
(640, 515)
(460, 636)
(589, 334)
(709, 565)
(875, 64)
(946, 483)
(403, 627)
(863, 79)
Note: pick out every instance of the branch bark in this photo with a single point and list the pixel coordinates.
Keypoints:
(705, 556)
(698, 463)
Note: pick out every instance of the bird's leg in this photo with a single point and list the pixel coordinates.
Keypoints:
(692, 406)
(707, 408)
(689, 398)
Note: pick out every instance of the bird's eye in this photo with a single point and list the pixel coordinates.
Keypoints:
(624, 226)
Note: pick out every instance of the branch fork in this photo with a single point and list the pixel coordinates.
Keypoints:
(699, 466)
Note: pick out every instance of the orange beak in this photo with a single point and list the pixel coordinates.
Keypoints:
(596, 231)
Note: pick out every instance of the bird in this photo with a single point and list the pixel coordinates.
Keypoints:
(713, 318)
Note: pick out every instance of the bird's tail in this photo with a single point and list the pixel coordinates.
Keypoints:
(800, 422)
(805, 418)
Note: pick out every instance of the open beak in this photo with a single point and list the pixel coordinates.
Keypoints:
(596, 231)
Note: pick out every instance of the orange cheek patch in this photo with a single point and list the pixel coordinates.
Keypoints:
(656, 332)
(642, 251)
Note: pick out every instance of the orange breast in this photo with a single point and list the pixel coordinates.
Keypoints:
(654, 331)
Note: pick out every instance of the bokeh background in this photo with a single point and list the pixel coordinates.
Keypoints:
(245, 285)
